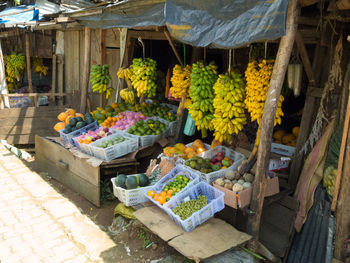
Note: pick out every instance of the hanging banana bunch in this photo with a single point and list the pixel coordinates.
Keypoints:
(258, 76)
(229, 106)
(180, 81)
(124, 73)
(100, 78)
(15, 65)
(38, 66)
(144, 76)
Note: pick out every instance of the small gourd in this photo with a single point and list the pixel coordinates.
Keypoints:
(247, 185)
(220, 182)
(230, 175)
(228, 185)
(241, 181)
(237, 187)
(248, 177)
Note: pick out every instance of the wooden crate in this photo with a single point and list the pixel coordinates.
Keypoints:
(76, 173)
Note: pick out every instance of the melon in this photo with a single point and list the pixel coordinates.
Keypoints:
(120, 180)
(131, 182)
(143, 179)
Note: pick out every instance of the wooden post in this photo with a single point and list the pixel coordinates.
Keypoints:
(171, 43)
(53, 86)
(3, 84)
(60, 63)
(86, 69)
(102, 59)
(273, 94)
(29, 69)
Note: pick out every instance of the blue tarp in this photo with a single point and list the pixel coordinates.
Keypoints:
(26, 16)
(224, 23)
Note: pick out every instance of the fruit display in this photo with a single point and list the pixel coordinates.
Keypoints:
(229, 116)
(126, 119)
(100, 114)
(111, 142)
(233, 181)
(180, 81)
(39, 67)
(132, 182)
(144, 77)
(206, 165)
(201, 90)
(92, 136)
(100, 78)
(289, 139)
(15, 64)
(171, 189)
(186, 209)
(148, 127)
(124, 73)
(330, 174)
(154, 109)
(109, 122)
(77, 122)
(127, 95)
(183, 151)
(258, 75)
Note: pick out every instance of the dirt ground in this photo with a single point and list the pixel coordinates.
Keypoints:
(136, 242)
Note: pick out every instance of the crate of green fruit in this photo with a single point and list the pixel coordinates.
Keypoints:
(149, 131)
(177, 180)
(113, 146)
(212, 164)
(131, 189)
(76, 127)
(195, 205)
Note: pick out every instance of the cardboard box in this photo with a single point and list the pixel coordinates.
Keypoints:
(281, 149)
(244, 197)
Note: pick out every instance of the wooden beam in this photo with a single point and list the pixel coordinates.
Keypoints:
(304, 3)
(36, 94)
(305, 58)
(102, 58)
(60, 62)
(268, 118)
(29, 69)
(167, 35)
(53, 86)
(152, 35)
(86, 69)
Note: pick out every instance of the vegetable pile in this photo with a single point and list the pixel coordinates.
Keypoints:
(186, 209)
(149, 127)
(206, 165)
(233, 181)
(111, 142)
(126, 119)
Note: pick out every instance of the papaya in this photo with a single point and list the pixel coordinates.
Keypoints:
(62, 116)
(59, 126)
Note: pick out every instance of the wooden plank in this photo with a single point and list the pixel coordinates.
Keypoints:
(29, 68)
(112, 38)
(71, 180)
(102, 58)
(152, 35)
(53, 86)
(304, 57)
(35, 94)
(113, 60)
(86, 69)
(304, 3)
(30, 112)
(167, 35)
(58, 154)
(60, 62)
(273, 94)
(27, 124)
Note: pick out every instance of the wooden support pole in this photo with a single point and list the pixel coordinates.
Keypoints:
(171, 43)
(53, 86)
(29, 69)
(86, 69)
(305, 58)
(273, 94)
(60, 62)
(102, 59)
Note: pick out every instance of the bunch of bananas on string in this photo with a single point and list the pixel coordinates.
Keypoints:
(258, 75)
(100, 78)
(15, 65)
(124, 73)
(144, 76)
(128, 95)
(229, 106)
(181, 81)
(38, 66)
(203, 79)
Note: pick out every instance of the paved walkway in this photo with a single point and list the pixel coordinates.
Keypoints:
(37, 224)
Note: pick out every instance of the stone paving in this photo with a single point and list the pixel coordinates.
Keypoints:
(37, 224)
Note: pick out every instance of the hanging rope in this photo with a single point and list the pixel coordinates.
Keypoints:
(143, 47)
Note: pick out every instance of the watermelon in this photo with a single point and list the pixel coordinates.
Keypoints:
(131, 182)
(143, 179)
(120, 180)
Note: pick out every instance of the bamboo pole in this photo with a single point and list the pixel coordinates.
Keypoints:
(29, 69)
(171, 43)
(86, 69)
(53, 86)
(273, 94)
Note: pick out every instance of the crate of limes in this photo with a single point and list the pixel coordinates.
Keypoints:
(176, 181)
(149, 131)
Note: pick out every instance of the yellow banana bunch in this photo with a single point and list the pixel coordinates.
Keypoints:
(181, 81)
(258, 76)
(15, 65)
(144, 76)
(201, 109)
(128, 96)
(39, 67)
(100, 78)
(329, 177)
(124, 73)
(229, 116)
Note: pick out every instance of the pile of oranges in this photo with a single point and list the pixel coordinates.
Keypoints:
(162, 197)
(109, 122)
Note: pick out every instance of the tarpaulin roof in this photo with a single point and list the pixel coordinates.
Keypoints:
(19, 14)
(224, 23)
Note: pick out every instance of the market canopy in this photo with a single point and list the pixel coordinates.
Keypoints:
(19, 14)
(224, 24)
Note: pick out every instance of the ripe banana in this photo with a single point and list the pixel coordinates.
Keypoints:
(181, 81)
(124, 73)
(128, 96)
(39, 67)
(144, 76)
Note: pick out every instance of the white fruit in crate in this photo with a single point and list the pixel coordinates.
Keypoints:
(234, 181)
(241, 181)
(227, 181)
(247, 185)
(220, 182)
(237, 187)
(228, 185)
(248, 177)
(229, 174)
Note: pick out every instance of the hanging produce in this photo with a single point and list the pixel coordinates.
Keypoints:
(229, 116)
(201, 109)
(128, 95)
(39, 67)
(100, 78)
(180, 81)
(144, 76)
(258, 77)
(124, 73)
(15, 65)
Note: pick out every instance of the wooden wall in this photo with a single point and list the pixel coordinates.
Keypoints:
(74, 58)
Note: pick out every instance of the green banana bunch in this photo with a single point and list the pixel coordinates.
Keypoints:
(201, 109)
(100, 78)
(144, 76)
(15, 65)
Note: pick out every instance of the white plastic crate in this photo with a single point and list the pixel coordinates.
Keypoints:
(151, 139)
(281, 149)
(130, 197)
(236, 157)
(68, 138)
(114, 151)
(215, 204)
(177, 170)
(82, 146)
